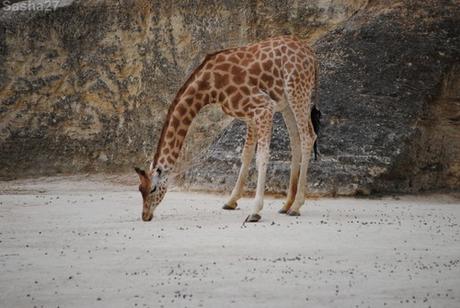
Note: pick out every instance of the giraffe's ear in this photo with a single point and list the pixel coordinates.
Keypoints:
(140, 172)
(143, 178)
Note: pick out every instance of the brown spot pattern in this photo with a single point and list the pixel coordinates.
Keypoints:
(255, 69)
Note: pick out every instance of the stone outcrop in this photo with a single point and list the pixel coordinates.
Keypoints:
(85, 86)
(389, 94)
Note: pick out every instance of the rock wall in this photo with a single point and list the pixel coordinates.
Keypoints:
(389, 94)
(85, 86)
(432, 159)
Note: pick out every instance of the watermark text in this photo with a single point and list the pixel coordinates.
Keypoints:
(43, 5)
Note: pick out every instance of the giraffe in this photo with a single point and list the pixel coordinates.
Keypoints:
(250, 83)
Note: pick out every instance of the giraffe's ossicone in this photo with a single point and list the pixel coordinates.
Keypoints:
(250, 83)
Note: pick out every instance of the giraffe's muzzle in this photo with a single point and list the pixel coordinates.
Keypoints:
(147, 217)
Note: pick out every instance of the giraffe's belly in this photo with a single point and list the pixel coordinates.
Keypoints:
(277, 102)
(236, 113)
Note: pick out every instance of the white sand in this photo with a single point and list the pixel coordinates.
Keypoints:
(74, 242)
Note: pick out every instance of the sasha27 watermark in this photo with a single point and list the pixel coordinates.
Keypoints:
(43, 5)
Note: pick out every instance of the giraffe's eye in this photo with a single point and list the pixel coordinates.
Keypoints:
(154, 189)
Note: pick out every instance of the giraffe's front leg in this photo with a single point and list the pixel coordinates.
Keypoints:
(264, 129)
(246, 158)
(262, 163)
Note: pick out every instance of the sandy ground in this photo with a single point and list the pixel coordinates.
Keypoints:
(79, 242)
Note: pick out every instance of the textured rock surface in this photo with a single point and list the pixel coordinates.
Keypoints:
(389, 93)
(86, 87)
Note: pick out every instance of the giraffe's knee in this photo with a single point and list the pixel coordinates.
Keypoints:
(295, 156)
(307, 144)
(261, 157)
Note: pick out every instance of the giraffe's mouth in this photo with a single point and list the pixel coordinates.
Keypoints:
(147, 217)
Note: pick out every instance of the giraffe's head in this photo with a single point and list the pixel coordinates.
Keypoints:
(152, 186)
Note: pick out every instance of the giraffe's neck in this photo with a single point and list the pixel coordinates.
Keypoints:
(190, 99)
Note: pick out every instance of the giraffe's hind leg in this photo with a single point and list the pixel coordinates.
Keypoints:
(294, 138)
(246, 158)
(307, 139)
(298, 93)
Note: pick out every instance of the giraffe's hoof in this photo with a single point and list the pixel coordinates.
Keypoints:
(254, 218)
(293, 213)
(283, 211)
(229, 207)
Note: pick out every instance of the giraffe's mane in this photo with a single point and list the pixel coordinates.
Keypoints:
(176, 99)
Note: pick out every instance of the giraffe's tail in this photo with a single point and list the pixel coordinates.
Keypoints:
(316, 121)
(315, 113)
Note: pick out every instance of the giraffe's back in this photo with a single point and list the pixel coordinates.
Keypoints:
(266, 68)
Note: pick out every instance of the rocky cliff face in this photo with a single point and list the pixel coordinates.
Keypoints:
(85, 86)
(389, 94)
